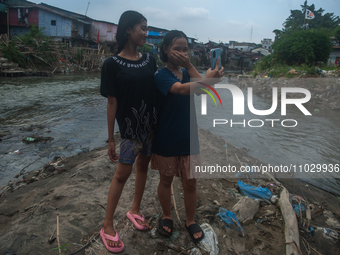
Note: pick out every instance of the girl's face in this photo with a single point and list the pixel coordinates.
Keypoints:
(178, 44)
(139, 33)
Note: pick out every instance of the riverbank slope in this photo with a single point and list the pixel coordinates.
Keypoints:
(28, 216)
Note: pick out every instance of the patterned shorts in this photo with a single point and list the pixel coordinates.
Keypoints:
(130, 148)
(182, 166)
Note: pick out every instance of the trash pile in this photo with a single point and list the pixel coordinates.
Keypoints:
(325, 92)
(315, 222)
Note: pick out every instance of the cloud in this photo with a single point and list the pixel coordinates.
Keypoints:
(193, 13)
(233, 22)
(156, 14)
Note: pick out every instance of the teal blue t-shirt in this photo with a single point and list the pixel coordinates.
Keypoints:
(175, 131)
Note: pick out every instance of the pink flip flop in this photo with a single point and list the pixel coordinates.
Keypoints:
(133, 217)
(111, 238)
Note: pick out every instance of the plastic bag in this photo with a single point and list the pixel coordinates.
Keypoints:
(230, 219)
(263, 194)
(209, 243)
(195, 251)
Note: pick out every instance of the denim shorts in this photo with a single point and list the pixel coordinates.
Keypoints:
(130, 148)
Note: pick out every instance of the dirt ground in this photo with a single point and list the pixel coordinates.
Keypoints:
(28, 215)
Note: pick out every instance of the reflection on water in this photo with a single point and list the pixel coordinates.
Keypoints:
(70, 109)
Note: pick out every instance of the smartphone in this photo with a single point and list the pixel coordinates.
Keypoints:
(215, 53)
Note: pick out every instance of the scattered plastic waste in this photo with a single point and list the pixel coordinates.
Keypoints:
(230, 219)
(329, 233)
(316, 110)
(30, 139)
(246, 208)
(17, 152)
(209, 243)
(195, 251)
(153, 233)
(261, 220)
(73, 140)
(333, 222)
(297, 208)
(274, 199)
(263, 194)
(328, 214)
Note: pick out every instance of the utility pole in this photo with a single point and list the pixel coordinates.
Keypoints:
(87, 8)
(251, 33)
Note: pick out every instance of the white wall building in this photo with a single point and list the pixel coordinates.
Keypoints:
(267, 43)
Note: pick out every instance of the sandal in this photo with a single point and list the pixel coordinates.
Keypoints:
(165, 223)
(193, 229)
(115, 238)
(133, 217)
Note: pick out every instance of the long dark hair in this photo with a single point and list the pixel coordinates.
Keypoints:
(167, 41)
(128, 19)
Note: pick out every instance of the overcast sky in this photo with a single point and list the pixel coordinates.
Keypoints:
(215, 20)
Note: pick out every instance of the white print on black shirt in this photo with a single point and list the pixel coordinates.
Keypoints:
(123, 63)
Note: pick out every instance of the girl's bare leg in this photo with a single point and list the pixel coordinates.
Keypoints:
(142, 165)
(123, 172)
(190, 200)
(164, 196)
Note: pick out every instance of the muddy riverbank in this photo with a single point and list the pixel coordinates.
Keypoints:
(78, 187)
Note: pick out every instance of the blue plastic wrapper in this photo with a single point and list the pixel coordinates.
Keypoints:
(227, 216)
(263, 194)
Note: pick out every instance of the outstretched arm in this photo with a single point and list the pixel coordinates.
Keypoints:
(211, 78)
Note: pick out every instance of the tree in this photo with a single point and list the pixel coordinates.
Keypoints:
(305, 41)
(146, 48)
(302, 46)
(337, 34)
(297, 21)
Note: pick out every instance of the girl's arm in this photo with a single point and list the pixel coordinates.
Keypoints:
(212, 77)
(111, 116)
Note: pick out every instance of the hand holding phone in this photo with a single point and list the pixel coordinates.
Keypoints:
(215, 53)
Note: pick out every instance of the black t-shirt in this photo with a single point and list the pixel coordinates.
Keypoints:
(132, 84)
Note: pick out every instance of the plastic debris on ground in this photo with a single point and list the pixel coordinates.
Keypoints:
(230, 219)
(246, 208)
(195, 251)
(297, 208)
(209, 243)
(263, 194)
(329, 233)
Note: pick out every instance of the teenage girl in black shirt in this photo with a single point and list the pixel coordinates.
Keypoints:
(127, 80)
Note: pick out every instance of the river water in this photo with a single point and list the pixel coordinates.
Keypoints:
(70, 109)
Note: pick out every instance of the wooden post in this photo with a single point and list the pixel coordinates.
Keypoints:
(290, 223)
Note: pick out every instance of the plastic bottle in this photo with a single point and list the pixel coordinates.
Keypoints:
(30, 139)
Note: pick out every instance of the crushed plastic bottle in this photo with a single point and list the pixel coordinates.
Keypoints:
(209, 243)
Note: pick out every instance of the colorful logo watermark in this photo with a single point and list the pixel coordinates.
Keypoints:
(208, 92)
